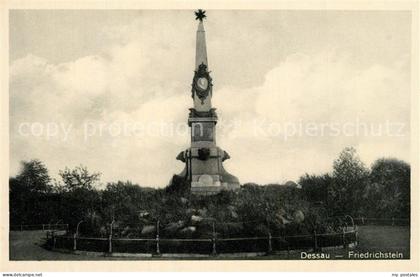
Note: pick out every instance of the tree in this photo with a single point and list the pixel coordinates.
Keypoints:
(29, 193)
(34, 176)
(123, 200)
(80, 197)
(315, 187)
(350, 177)
(79, 177)
(389, 189)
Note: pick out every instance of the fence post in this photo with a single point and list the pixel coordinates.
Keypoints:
(75, 242)
(110, 243)
(54, 240)
(21, 227)
(270, 247)
(344, 239)
(393, 221)
(356, 233)
(214, 241)
(157, 239)
(110, 236)
(363, 220)
(315, 242)
(43, 229)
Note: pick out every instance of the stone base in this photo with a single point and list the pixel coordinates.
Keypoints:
(205, 174)
(204, 185)
(211, 190)
(205, 190)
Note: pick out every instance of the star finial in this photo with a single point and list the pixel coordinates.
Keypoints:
(200, 15)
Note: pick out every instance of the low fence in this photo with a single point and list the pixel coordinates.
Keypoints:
(381, 221)
(212, 245)
(36, 227)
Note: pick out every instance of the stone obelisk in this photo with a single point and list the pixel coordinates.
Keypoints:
(203, 160)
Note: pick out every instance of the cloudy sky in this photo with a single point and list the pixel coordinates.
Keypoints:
(292, 89)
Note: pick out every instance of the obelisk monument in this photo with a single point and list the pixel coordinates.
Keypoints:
(203, 160)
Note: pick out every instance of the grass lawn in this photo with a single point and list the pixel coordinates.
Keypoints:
(371, 239)
(26, 245)
(385, 238)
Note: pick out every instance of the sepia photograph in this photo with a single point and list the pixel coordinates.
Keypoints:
(210, 134)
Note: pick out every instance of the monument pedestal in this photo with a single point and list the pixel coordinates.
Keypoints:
(208, 176)
(204, 160)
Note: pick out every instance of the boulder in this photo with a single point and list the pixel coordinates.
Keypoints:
(143, 214)
(148, 229)
(188, 230)
(298, 216)
(283, 219)
(196, 218)
(174, 226)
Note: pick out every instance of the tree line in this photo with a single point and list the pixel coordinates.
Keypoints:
(383, 190)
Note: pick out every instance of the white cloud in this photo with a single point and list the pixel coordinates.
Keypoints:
(319, 89)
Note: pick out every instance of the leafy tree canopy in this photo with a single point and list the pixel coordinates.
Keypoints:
(34, 176)
(79, 177)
